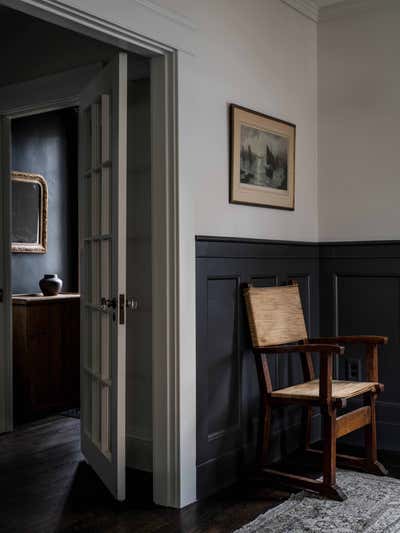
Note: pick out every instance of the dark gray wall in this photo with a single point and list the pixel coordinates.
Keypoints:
(46, 144)
(346, 288)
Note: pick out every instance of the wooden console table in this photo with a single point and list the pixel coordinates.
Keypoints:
(45, 354)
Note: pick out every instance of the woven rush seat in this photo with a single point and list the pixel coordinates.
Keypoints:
(340, 389)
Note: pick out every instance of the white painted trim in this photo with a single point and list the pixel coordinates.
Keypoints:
(152, 28)
(165, 282)
(139, 452)
(308, 8)
(354, 7)
(167, 13)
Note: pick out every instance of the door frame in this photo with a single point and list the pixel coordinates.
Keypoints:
(169, 472)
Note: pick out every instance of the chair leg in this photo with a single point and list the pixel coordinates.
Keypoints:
(308, 424)
(327, 487)
(329, 455)
(264, 435)
(373, 465)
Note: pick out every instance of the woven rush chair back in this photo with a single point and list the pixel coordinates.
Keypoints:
(275, 315)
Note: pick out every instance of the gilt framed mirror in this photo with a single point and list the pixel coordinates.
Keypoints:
(29, 213)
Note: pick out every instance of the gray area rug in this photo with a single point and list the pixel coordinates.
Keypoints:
(372, 506)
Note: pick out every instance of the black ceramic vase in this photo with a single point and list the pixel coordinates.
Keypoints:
(50, 284)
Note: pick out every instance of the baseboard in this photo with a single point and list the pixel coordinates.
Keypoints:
(139, 453)
(222, 471)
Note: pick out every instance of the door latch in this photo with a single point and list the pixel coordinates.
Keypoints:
(122, 308)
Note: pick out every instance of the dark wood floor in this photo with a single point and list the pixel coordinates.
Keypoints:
(46, 487)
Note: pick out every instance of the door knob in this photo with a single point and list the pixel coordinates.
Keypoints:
(132, 303)
(106, 303)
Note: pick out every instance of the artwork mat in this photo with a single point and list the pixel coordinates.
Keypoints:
(248, 194)
(39, 247)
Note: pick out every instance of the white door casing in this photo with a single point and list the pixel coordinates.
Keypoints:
(102, 192)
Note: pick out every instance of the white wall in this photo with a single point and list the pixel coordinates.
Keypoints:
(359, 117)
(260, 54)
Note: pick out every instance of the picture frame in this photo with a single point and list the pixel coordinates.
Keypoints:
(29, 213)
(262, 160)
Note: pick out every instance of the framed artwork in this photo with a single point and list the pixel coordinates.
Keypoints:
(262, 155)
(29, 213)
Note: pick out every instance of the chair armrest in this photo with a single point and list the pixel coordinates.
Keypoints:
(288, 348)
(352, 339)
(371, 343)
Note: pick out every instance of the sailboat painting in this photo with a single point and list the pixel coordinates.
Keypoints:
(262, 159)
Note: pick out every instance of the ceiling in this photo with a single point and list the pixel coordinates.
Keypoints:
(52, 49)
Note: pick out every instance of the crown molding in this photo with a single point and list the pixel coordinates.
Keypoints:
(308, 8)
(353, 7)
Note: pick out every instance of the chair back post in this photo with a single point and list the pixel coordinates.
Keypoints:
(372, 363)
(262, 365)
(307, 365)
(325, 378)
(264, 375)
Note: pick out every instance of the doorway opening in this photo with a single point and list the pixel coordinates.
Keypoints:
(46, 365)
(44, 237)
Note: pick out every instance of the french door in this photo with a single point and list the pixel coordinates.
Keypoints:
(102, 175)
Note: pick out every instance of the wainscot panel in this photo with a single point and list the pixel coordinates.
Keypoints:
(360, 294)
(227, 387)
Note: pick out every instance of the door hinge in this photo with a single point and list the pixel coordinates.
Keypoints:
(122, 308)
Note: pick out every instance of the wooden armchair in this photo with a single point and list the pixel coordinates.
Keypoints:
(277, 326)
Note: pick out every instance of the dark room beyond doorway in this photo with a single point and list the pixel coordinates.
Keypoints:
(46, 144)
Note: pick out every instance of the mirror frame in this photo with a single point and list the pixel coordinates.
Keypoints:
(41, 246)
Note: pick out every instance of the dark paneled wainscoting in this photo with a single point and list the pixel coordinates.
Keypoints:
(227, 387)
(346, 288)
